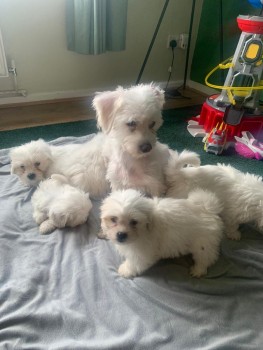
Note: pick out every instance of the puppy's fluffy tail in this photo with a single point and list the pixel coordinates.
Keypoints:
(59, 178)
(208, 200)
(177, 161)
(185, 158)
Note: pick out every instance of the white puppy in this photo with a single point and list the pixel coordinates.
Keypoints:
(130, 119)
(31, 162)
(84, 165)
(240, 193)
(125, 155)
(56, 204)
(145, 230)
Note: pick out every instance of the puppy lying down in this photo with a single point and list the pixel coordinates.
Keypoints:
(56, 204)
(145, 230)
(82, 164)
(241, 194)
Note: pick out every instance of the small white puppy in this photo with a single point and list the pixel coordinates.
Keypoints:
(241, 194)
(56, 204)
(31, 162)
(145, 230)
(84, 165)
(130, 118)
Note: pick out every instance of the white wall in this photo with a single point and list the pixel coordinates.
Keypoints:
(34, 36)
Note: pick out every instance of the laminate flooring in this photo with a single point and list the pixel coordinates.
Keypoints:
(68, 110)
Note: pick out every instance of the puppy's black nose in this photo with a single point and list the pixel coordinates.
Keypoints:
(31, 176)
(145, 147)
(121, 236)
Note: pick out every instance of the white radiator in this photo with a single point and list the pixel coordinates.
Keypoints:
(3, 64)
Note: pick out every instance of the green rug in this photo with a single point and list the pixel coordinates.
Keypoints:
(173, 132)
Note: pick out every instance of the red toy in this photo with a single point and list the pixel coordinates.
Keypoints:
(215, 141)
(238, 104)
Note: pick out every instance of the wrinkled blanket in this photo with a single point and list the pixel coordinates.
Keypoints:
(62, 291)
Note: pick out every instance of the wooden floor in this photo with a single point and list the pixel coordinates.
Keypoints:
(68, 110)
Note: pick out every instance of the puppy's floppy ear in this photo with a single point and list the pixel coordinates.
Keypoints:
(14, 168)
(105, 104)
(159, 95)
(149, 223)
(12, 156)
(148, 214)
(43, 147)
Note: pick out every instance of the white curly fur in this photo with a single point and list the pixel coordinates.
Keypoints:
(145, 230)
(241, 193)
(56, 204)
(130, 119)
(84, 165)
(125, 155)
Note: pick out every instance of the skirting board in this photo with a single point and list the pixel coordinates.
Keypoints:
(60, 95)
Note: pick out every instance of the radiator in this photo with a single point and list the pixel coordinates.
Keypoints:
(3, 64)
(4, 73)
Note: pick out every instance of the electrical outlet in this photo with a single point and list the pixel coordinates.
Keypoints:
(170, 38)
(183, 41)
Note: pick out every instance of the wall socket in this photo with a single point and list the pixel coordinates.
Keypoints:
(170, 38)
(181, 39)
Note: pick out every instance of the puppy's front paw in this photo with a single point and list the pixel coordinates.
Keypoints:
(234, 235)
(46, 227)
(197, 271)
(125, 271)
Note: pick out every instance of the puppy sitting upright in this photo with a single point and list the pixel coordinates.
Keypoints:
(145, 230)
(130, 119)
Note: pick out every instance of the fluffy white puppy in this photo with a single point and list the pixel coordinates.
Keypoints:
(241, 194)
(31, 162)
(125, 155)
(130, 119)
(84, 165)
(145, 230)
(56, 204)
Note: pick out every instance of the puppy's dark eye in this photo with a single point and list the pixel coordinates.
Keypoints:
(37, 163)
(113, 219)
(133, 222)
(152, 125)
(22, 167)
(131, 124)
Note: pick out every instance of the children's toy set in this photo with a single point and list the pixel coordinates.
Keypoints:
(235, 117)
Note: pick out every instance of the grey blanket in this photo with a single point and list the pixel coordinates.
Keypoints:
(62, 291)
